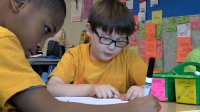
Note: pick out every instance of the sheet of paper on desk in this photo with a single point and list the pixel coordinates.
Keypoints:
(91, 100)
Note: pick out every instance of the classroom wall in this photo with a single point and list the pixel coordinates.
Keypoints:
(171, 8)
(73, 29)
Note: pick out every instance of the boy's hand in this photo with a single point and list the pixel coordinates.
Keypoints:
(105, 91)
(145, 104)
(133, 93)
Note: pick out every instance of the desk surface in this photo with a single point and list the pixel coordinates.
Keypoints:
(176, 107)
(43, 61)
(166, 106)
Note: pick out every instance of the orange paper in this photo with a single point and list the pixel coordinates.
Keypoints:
(184, 47)
(142, 48)
(150, 48)
(150, 31)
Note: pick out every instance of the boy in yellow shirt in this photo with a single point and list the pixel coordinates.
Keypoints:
(23, 24)
(105, 68)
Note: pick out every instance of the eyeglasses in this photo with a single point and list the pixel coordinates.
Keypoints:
(108, 41)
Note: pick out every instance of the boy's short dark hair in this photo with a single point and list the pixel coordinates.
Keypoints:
(55, 5)
(111, 15)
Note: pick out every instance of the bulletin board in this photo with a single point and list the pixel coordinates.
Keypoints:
(171, 9)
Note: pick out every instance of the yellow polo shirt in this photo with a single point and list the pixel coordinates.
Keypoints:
(124, 70)
(16, 74)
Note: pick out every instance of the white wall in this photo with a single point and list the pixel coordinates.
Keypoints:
(72, 29)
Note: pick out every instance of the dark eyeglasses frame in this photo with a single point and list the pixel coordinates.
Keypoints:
(100, 38)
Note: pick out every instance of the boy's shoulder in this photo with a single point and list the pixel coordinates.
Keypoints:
(81, 47)
(129, 51)
(4, 32)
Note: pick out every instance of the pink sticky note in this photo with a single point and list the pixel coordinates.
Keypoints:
(195, 23)
(132, 41)
(158, 88)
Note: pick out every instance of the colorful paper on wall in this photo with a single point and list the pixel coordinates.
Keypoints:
(158, 65)
(171, 24)
(158, 31)
(129, 4)
(154, 3)
(142, 31)
(150, 48)
(136, 22)
(132, 40)
(142, 17)
(87, 6)
(142, 48)
(76, 10)
(157, 17)
(195, 23)
(182, 20)
(184, 47)
(183, 30)
(158, 88)
(159, 49)
(150, 31)
(142, 6)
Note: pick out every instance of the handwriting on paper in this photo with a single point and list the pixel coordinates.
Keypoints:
(184, 47)
(185, 90)
(183, 30)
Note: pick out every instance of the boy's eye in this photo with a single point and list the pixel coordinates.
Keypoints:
(47, 29)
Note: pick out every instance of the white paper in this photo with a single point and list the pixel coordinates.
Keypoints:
(91, 100)
(76, 10)
(154, 3)
(129, 4)
(142, 7)
(183, 30)
(141, 17)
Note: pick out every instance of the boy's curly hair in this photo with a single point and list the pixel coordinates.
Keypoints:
(55, 5)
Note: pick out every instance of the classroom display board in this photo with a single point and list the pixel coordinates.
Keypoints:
(166, 29)
(170, 31)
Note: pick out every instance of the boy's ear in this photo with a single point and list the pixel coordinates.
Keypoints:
(89, 29)
(16, 5)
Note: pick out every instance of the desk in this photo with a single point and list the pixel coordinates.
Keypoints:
(43, 61)
(166, 106)
(177, 107)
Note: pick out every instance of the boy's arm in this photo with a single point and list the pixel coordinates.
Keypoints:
(57, 87)
(40, 100)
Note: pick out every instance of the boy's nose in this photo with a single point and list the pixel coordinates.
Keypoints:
(111, 46)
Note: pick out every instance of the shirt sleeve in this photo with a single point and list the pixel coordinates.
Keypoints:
(137, 69)
(16, 72)
(65, 69)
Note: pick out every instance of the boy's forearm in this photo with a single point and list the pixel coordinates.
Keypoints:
(71, 89)
(40, 100)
